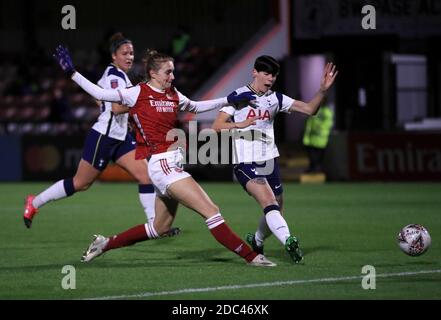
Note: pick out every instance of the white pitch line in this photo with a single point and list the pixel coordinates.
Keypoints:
(260, 285)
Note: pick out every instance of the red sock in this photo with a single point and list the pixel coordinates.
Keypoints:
(127, 238)
(224, 235)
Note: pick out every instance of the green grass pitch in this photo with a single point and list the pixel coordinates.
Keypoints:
(342, 227)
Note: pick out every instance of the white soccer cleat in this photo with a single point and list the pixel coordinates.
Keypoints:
(95, 249)
(261, 261)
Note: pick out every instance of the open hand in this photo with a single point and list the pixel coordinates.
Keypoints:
(248, 122)
(329, 75)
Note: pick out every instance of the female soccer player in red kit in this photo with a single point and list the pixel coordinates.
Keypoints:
(107, 140)
(154, 105)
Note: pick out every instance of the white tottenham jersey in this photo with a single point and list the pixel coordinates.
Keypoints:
(256, 142)
(115, 126)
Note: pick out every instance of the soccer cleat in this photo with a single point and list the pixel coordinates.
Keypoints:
(95, 249)
(171, 233)
(251, 239)
(292, 247)
(261, 261)
(30, 211)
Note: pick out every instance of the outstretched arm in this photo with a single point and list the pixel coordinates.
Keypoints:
(95, 91)
(208, 105)
(312, 106)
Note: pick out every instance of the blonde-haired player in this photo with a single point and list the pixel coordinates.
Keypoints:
(108, 140)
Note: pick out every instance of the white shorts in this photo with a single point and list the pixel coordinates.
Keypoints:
(165, 169)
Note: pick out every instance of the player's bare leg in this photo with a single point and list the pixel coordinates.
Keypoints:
(261, 191)
(166, 209)
(188, 192)
(138, 170)
(147, 195)
(165, 215)
(85, 176)
(280, 201)
(272, 221)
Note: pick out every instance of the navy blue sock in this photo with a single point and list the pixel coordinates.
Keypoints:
(146, 188)
(69, 186)
(271, 208)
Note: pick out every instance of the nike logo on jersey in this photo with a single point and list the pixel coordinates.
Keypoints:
(277, 187)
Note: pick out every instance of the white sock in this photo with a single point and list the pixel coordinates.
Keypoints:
(277, 225)
(54, 192)
(151, 231)
(262, 232)
(214, 221)
(148, 203)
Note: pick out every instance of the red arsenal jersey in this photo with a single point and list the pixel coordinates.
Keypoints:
(154, 115)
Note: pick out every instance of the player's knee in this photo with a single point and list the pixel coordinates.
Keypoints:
(142, 178)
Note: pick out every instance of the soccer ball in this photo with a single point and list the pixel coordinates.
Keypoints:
(414, 240)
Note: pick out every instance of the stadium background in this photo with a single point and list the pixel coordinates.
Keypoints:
(387, 99)
(387, 103)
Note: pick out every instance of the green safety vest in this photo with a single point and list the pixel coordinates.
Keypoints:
(318, 128)
(179, 44)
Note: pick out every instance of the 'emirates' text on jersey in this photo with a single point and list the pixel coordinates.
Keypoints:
(114, 126)
(155, 113)
(256, 142)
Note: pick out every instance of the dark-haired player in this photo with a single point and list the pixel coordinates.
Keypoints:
(255, 152)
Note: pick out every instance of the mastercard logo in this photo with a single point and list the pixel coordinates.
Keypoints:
(42, 158)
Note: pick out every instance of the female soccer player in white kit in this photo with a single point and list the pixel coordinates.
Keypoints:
(255, 152)
(154, 105)
(107, 140)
